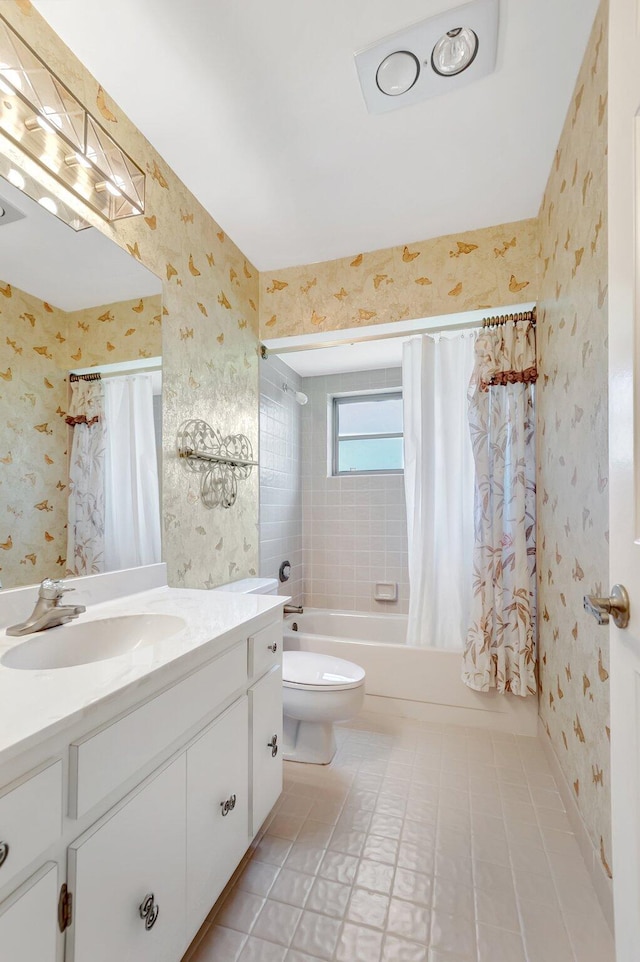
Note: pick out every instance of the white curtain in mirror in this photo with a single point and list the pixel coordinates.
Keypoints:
(86, 510)
(132, 498)
(439, 486)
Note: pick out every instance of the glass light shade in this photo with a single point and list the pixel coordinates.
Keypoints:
(454, 52)
(397, 73)
(42, 118)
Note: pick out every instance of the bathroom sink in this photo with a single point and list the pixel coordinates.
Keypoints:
(85, 641)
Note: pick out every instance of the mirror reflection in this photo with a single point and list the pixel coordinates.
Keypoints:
(80, 399)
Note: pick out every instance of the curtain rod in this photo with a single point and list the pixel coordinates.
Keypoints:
(85, 377)
(500, 319)
(266, 352)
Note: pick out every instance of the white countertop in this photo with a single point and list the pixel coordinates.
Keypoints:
(37, 704)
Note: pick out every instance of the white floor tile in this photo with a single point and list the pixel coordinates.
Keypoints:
(419, 843)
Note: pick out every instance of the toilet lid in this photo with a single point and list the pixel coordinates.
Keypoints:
(307, 669)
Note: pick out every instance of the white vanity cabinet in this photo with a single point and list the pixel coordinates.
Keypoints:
(28, 930)
(265, 699)
(144, 810)
(127, 876)
(217, 809)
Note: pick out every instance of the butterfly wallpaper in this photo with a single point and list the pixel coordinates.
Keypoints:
(573, 513)
(482, 269)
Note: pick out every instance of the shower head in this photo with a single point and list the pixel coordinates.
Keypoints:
(298, 395)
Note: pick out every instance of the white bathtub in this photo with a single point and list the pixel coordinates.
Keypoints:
(421, 683)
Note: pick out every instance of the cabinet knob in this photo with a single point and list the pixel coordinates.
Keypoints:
(4, 852)
(228, 806)
(273, 647)
(273, 745)
(149, 911)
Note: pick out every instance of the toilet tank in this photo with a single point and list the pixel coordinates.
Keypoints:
(252, 586)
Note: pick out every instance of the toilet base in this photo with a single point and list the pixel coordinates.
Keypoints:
(311, 742)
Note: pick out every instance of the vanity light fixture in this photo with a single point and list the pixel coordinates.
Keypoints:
(49, 204)
(47, 125)
(430, 58)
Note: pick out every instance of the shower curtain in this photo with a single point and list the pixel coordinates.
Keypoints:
(85, 506)
(132, 498)
(439, 482)
(500, 649)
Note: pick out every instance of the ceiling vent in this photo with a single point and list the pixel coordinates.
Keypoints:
(8, 213)
(430, 58)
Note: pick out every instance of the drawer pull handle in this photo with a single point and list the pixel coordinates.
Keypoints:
(149, 911)
(4, 852)
(273, 745)
(228, 806)
(273, 647)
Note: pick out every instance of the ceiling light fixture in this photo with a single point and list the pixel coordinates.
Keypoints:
(433, 57)
(48, 125)
(397, 73)
(454, 52)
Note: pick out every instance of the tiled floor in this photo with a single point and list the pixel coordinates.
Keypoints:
(420, 843)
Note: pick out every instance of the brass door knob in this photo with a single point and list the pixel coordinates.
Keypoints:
(615, 606)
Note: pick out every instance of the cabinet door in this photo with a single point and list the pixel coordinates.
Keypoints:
(28, 919)
(265, 699)
(217, 809)
(135, 854)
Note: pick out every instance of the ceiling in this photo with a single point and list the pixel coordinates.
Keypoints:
(257, 107)
(72, 270)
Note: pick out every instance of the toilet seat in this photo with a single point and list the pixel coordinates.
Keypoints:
(311, 671)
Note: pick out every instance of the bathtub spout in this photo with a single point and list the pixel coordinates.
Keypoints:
(293, 609)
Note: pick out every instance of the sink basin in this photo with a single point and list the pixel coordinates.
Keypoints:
(83, 642)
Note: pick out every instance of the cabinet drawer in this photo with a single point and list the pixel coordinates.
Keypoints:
(135, 851)
(265, 649)
(265, 700)
(217, 835)
(30, 818)
(107, 758)
(28, 919)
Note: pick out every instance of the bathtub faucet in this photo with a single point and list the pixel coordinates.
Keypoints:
(293, 610)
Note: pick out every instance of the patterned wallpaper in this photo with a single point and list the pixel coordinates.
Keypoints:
(486, 268)
(573, 520)
(40, 343)
(209, 330)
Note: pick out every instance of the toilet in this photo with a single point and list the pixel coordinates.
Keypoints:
(318, 691)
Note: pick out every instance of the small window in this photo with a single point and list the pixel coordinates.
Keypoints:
(367, 434)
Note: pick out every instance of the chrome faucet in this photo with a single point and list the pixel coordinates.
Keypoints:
(292, 610)
(48, 612)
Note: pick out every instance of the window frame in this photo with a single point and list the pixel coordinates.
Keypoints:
(353, 398)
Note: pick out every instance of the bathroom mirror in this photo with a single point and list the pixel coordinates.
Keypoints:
(69, 302)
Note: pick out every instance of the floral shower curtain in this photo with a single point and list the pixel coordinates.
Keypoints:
(85, 528)
(500, 648)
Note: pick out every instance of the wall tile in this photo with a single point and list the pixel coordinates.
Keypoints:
(354, 528)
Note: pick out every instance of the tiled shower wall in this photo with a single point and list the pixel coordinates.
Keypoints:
(354, 528)
(280, 476)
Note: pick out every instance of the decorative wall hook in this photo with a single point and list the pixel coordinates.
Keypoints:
(220, 461)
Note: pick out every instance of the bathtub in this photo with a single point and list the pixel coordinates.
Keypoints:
(421, 683)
